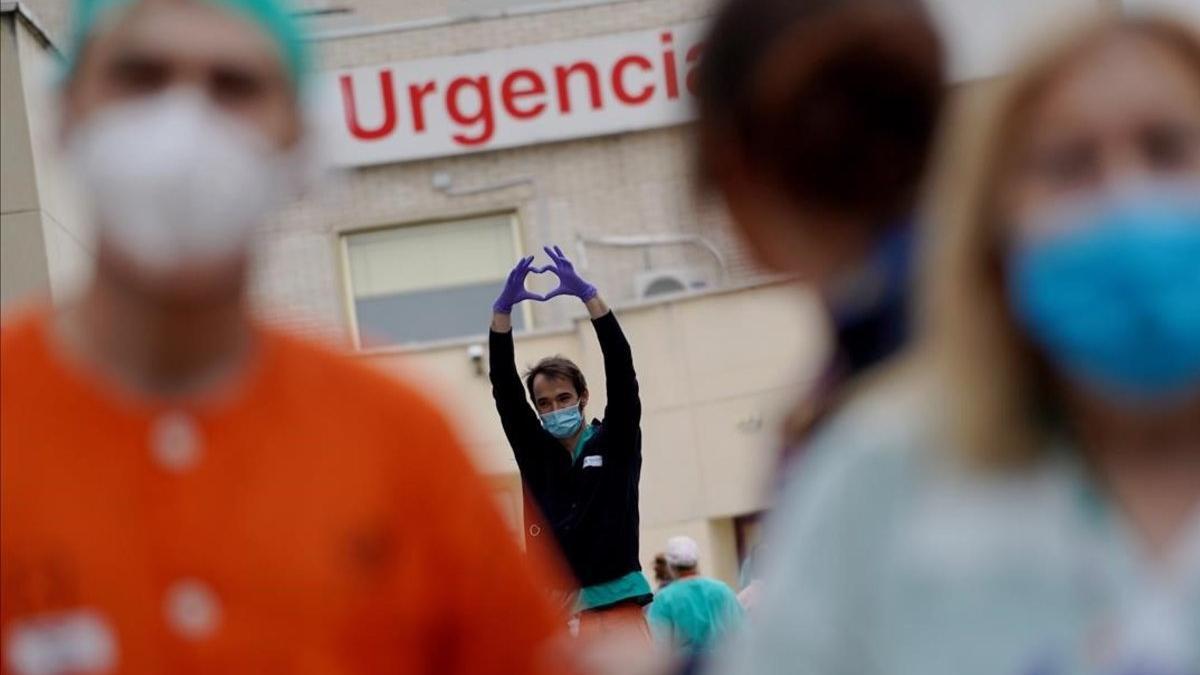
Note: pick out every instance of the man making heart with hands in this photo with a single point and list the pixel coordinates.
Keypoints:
(582, 477)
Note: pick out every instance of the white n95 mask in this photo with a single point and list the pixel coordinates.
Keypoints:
(172, 181)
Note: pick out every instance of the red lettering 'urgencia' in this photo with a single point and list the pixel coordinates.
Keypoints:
(562, 73)
(509, 93)
(693, 59)
(386, 92)
(482, 117)
(618, 79)
(672, 77)
(416, 100)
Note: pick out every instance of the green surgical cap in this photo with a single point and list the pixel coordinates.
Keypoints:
(272, 16)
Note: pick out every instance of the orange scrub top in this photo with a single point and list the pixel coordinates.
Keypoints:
(320, 518)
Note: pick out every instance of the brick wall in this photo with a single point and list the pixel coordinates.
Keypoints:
(633, 183)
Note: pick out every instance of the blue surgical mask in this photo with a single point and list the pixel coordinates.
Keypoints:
(1113, 297)
(563, 423)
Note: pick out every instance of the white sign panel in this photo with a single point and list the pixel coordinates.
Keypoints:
(500, 99)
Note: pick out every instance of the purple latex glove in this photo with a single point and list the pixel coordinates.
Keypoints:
(514, 289)
(569, 282)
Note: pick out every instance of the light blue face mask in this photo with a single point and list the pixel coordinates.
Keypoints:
(563, 423)
(1114, 299)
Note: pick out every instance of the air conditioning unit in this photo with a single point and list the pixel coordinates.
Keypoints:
(660, 283)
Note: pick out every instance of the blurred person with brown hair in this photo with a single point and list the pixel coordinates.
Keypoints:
(1030, 502)
(183, 489)
(816, 121)
(662, 572)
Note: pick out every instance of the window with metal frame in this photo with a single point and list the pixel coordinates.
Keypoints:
(430, 281)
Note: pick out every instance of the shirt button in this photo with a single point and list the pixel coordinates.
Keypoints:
(175, 442)
(192, 609)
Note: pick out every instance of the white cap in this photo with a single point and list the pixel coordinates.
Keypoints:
(682, 552)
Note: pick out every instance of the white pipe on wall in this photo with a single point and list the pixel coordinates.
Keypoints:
(442, 21)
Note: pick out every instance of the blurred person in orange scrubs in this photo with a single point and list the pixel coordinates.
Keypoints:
(183, 490)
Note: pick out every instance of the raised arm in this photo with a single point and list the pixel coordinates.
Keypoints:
(520, 422)
(623, 414)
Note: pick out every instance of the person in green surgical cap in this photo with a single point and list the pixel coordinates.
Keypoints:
(185, 489)
(270, 16)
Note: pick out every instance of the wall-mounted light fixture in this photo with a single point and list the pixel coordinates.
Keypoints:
(475, 353)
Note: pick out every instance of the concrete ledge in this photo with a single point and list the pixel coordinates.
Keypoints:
(572, 326)
(29, 18)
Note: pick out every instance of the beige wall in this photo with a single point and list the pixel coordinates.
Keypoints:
(717, 372)
(23, 258)
(633, 183)
(20, 179)
(22, 248)
(66, 235)
(974, 21)
(718, 546)
(43, 247)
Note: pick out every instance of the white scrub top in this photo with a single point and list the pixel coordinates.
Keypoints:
(887, 557)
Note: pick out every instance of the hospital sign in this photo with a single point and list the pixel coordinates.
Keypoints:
(510, 97)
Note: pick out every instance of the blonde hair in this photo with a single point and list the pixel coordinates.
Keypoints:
(999, 407)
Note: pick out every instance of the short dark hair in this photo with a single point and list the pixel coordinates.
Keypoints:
(556, 366)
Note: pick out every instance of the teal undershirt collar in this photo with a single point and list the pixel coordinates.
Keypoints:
(588, 432)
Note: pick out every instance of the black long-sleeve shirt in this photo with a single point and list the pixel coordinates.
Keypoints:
(591, 504)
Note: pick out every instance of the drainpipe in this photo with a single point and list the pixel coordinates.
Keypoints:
(443, 21)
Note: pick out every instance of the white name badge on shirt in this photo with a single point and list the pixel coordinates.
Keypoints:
(593, 460)
(77, 641)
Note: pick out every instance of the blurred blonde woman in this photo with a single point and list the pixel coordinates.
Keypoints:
(1026, 499)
